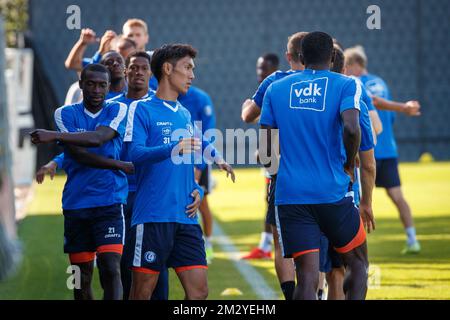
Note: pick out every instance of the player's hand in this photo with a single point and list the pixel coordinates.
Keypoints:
(412, 108)
(105, 41)
(43, 136)
(88, 36)
(188, 145)
(49, 168)
(349, 169)
(367, 217)
(225, 166)
(126, 167)
(193, 207)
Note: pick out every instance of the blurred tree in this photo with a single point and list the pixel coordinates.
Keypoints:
(15, 15)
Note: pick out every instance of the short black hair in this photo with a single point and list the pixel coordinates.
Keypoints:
(272, 58)
(94, 67)
(339, 60)
(141, 54)
(317, 47)
(170, 53)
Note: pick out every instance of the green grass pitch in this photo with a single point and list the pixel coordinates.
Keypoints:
(239, 209)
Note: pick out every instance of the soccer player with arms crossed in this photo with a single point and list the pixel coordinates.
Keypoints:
(92, 134)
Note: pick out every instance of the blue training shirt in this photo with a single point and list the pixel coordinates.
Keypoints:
(163, 187)
(306, 107)
(87, 187)
(386, 146)
(261, 91)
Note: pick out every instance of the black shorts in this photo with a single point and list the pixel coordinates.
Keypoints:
(270, 215)
(205, 180)
(301, 226)
(98, 229)
(387, 173)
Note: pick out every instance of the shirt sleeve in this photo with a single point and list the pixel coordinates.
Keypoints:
(65, 119)
(367, 142)
(351, 95)
(267, 115)
(59, 159)
(261, 91)
(116, 118)
(367, 99)
(137, 131)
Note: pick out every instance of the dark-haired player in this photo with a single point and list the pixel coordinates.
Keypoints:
(165, 229)
(93, 198)
(319, 110)
(251, 110)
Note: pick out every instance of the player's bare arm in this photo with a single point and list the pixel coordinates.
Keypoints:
(352, 139)
(368, 171)
(410, 108)
(83, 139)
(250, 111)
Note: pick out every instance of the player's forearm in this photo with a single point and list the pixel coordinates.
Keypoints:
(352, 140)
(75, 57)
(267, 156)
(383, 104)
(83, 139)
(368, 172)
(376, 122)
(250, 111)
(143, 154)
(82, 156)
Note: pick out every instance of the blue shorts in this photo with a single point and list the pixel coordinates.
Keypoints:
(161, 245)
(99, 229)
(270, 215)
(301, 226)
(387, 173)
(161, 291)
(329, 258)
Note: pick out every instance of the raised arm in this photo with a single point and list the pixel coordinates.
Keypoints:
(75, 57)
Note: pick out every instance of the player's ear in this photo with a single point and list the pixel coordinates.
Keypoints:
(80, 84)
(167, 68)
(288, 56)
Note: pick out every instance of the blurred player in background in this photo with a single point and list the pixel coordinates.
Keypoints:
(386, 150)
(266, 65)
(251, 111)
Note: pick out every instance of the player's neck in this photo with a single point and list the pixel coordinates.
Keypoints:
(92, 109)
(319, 66)
(117, 85)
(136, 94)
(165, 92)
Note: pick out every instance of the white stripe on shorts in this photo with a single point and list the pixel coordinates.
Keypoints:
(280, 238)
(138, 245)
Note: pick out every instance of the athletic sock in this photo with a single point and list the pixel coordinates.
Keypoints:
(411, 234)
(265, 243)
(288, 288)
